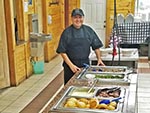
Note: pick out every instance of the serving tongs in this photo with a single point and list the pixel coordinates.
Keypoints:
(92, 86)
(113, 89)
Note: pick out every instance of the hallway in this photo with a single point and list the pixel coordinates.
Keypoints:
(17, 99)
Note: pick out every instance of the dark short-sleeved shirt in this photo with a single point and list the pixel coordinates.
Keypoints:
(76, 43)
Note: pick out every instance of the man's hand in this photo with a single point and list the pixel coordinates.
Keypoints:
(74, 68)
(100, 62)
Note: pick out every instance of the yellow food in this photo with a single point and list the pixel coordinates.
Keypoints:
(87, 105)
(72, 99)
(102, 106)
(70, 104)
(113, 103)
(81, 104)
(98, 107)
(93, 103)
(110, 107)
(93, 99)
(84, 100)
(65, 105)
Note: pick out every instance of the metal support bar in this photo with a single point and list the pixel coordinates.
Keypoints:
(149, 51)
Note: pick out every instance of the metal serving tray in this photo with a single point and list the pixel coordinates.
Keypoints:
(107, 77)
(81, 92)
(62, 105)
(110, 92)
(107, 69)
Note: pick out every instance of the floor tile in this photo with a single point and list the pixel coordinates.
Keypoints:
(143, 65)
(12, 109)
(14, 99)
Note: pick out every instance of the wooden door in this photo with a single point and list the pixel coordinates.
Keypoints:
(95, 15)
(4, 68)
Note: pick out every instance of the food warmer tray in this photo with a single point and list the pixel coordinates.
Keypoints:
(105, 77)
(108, 69)
(59, 106)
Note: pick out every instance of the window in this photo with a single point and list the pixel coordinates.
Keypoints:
(142, 11)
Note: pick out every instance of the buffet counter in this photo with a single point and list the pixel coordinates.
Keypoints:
(119, 89)
(128, 57)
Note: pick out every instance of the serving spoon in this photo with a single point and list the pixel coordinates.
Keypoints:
(108, 101)
(113, 89)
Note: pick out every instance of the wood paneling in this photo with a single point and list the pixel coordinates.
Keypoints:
(4, 65)
(72, 4)
(20, 63)
(58, 23)
(20, 18)
(19, 54)
(10, 38)
(56, 11)
(28, 66)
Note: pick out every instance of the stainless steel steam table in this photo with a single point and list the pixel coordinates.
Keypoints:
(130, 61)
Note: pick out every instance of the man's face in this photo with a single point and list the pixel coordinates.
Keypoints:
(77, 21)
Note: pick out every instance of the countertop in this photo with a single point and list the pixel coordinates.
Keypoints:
(108, 57)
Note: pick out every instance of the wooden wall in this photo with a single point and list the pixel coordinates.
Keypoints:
(123, 6)
(19, 50)
(55, 12)
(4, 64)
(72, 4)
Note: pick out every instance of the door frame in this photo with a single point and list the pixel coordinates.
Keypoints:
(4, 62)
(8, 6)
(66, 8)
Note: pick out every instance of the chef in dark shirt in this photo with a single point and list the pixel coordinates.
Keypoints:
(75, 43)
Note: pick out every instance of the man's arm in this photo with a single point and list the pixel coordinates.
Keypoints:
(98, 55)
(73, 67)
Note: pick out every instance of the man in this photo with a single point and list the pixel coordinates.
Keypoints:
(74, 45)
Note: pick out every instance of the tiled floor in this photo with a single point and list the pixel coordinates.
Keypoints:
(143, 86)
(14, 99)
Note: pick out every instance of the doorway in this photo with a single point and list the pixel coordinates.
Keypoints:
(95, 16)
